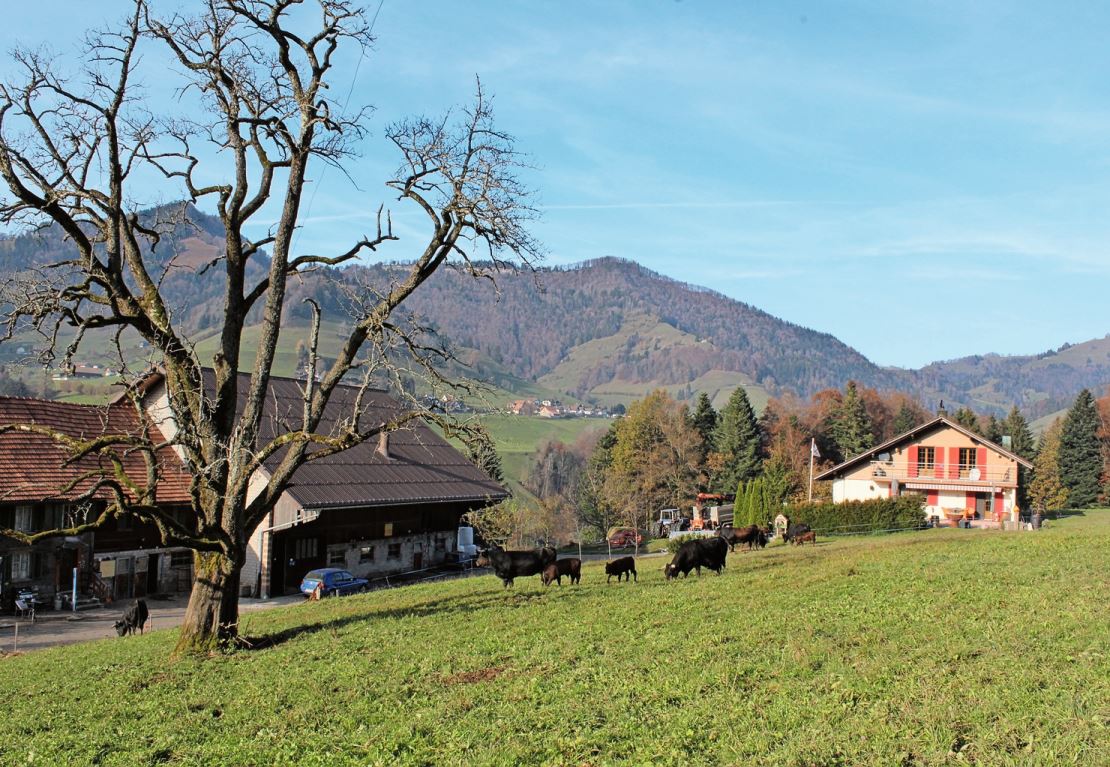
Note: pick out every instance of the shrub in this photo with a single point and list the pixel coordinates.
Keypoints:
(907, 511)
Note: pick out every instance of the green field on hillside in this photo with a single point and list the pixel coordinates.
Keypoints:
(931, 648)
(518, 437)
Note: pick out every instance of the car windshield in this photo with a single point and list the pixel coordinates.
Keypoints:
(315, 575)
(342, 577)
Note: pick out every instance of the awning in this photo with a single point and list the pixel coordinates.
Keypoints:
(911, 485)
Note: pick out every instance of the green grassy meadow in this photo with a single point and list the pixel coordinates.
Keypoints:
(930, 648)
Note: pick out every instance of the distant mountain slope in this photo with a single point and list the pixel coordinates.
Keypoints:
(608, 330)
(612, 320)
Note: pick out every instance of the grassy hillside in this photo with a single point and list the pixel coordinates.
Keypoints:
(931, 648)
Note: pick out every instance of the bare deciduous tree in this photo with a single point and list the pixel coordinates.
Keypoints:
(74, 155)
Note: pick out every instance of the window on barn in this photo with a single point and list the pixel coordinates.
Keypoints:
(366, 554)
(967, 460)
(926, 460)
(441, 544)
(53, 516)
(23, 519)
(181, 558)
(21, 566)
(394, 551)
(307, 548)
(337, 557)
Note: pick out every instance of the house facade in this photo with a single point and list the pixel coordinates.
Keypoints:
(961, 474)
(41, 489)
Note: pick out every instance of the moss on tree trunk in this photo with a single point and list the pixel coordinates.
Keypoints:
(212, 617)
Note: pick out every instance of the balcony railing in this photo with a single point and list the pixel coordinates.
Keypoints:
(959, 472)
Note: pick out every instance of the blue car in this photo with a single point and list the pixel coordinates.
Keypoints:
(332, 582)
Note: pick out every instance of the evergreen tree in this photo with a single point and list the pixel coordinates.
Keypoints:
(482, 453)
(993, 430)
(905, 420)
(1022, 444)
(851, 426)
(1046, 491)
(1021, 438)
(737, 439)
(966, 418)
(1080, 458)
(705, 418)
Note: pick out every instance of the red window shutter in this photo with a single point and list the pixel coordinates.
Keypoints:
(953, 462)
(970, 503)
(911, 459)
(981, 462)
(933, 498)
(998, 502)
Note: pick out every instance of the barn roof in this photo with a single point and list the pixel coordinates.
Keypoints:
(421, 467)
(34, 468)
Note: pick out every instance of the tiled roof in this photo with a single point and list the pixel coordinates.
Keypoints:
(33, 467)
(422, 466)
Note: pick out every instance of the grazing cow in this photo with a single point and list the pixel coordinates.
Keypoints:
(134, 617)
(751, 535)
(807, 537)
(508, 565)
(799, 529)
(571, 567)
(625, 566)
(694, 555)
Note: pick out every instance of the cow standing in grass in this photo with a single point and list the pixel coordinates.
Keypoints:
(508, 565)
(625, 566)
(570, 567)
(134, 617)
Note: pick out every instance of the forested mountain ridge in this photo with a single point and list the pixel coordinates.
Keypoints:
(608, 330)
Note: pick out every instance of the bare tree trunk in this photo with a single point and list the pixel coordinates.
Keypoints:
(212, 617)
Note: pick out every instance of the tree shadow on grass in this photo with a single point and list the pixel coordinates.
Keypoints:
(451, 605)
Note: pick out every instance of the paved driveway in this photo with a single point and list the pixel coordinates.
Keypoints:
(53, 628)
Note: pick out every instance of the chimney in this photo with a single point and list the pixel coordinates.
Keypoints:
(383, 445)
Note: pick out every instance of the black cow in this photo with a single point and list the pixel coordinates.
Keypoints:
(508, 565)
(801, 528)
(571, 567)
(133, 618)
(625, 566)
(694, 555)
(751, 535)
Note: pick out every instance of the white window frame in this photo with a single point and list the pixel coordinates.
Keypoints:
(21, 566)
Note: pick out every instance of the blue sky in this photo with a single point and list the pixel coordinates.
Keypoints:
(923, 180)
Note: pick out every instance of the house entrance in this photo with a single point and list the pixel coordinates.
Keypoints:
(983, 503)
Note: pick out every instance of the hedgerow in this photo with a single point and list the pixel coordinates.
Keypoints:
(901, 513)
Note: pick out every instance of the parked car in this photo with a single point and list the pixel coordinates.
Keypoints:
(333, 582)
(625, 536)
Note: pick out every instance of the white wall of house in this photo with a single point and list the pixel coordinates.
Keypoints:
(856, 490)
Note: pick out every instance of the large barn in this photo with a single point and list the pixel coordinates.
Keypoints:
(387, 506)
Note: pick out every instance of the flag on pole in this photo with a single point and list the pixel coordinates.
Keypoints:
(813, 448)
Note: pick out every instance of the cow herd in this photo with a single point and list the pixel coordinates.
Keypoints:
(709, 552)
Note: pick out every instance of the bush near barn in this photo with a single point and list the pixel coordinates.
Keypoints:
(906, 512)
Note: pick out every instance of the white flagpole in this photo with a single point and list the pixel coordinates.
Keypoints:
(810, 498)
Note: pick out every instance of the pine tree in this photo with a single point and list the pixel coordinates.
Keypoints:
(1046, 491)
(966, 418)
(905, 420)
(993, 430)
(1080, 458)
(1022, 444)
(483, 454)
(705, 418)
(737, 439)
(1021, 438)
(851, 427)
